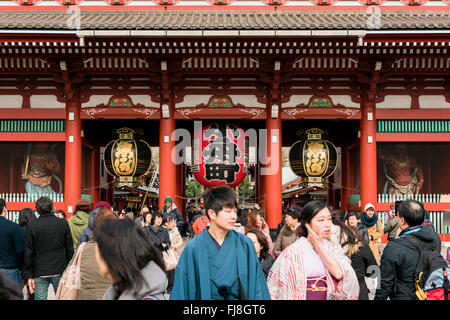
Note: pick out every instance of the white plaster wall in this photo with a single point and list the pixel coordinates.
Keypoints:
(395, 102)
(12, 101)
(191, 101)
(96, 100)
(44, 101)
(433, 102)
(296, 100)
(144, 100)
(345, 100)
(248, 101)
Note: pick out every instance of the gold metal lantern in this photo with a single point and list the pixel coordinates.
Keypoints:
(127, 158)
(313, 159)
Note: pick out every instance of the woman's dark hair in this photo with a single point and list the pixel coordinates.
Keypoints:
(126, 250)
(262, 241)
(167, 217)
(353, 237)
(25, 216)
(309, 211)
(219, 198)
(351, 214)
(295, 212)
(251, 219)
(156, 214)
(62, 212)
(145, 214)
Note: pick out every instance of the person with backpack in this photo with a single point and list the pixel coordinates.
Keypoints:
(402, 255)
(200, 222)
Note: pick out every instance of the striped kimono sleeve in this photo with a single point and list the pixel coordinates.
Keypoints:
(286, 279)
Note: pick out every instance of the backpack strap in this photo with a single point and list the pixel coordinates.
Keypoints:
(446, 283)
(150, 298)
(419, 244)
(204, 222)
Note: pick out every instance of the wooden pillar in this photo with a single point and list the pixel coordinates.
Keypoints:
(167, 168)
(94, 176)
(72, 177)
(272, 172)
(368, 151)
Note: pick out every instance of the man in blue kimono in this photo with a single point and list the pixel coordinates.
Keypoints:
(219, 263)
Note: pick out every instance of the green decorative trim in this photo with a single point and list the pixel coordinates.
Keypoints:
(437, 126)
(320, 103)
(220, 103)
(120, 102)
(32, 125)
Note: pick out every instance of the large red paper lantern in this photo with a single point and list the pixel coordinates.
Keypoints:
(220, 155)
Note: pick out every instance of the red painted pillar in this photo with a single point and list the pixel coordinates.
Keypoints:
(167, 168)
(368, 152)
(261, 196)
(72, 177)
(178, 200)
(272, 172)
(346, 178)
(95, 175)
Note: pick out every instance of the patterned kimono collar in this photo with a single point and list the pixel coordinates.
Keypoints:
(314, 266)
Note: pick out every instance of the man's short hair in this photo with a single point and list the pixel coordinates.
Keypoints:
(44, 205)
(412, 211)
(219, 198)
(2, 205)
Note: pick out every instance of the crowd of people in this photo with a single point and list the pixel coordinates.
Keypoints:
(221, 252)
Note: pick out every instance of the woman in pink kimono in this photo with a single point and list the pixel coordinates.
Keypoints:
(313, 268)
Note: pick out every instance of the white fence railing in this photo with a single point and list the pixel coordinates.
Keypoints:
(436, 218)
(425, 197)
(25, 197)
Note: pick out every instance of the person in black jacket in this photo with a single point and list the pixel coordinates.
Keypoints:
(351, 220)
(11, 245)
(48, 249)
(358, 250)
(400, 257)
(157, 233)
(171, 208)
(261, 244)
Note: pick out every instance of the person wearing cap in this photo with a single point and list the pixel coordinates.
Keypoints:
(374, 227)
(79, 221)
(171, 208)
